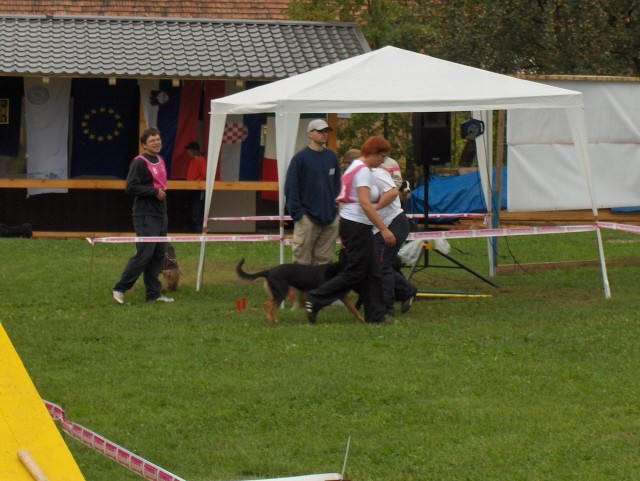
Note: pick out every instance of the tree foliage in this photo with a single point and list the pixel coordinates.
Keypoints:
(590, 37)
(402, 23)
(587, 37)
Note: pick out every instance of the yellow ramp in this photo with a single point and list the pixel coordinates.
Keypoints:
(26, 426)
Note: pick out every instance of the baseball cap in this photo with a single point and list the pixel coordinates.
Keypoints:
(318, 124)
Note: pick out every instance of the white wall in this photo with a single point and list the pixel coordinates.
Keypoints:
(543, 170)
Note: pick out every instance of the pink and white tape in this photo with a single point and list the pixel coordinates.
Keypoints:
(512, 231)
(288, 218)
(431, 234)
(188, 238)
(634, 229)
(126, 458)
(135, 463)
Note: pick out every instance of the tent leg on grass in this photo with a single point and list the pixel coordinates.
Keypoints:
(457, 263)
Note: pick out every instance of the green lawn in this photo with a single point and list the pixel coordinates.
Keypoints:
(539, 381)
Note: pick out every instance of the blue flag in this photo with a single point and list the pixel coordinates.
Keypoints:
(104, 127)
(168, 112)
(251, 153)
(10, 115)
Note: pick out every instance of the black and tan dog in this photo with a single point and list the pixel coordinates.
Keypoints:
(279, 279)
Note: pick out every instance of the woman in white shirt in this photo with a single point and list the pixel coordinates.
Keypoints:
(358, 214)
(395, 284)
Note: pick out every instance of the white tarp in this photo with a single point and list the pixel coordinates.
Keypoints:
(540, 149)
(385, 80)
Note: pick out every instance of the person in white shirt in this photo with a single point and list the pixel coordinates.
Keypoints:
(357, 216)
(395, 284)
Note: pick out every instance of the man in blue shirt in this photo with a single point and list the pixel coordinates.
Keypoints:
(311, 187)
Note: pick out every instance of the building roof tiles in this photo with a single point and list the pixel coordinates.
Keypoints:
(166, 47)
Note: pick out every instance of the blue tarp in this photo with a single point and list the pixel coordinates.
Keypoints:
(454, 194)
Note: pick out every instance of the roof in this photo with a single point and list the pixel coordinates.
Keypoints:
(228, 9)
(143, 47)
(391, 79)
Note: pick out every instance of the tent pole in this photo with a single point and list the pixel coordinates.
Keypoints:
(281, 241)
(578, 125)
(216, 129)
(603, 265)
(497, 188)
(484, 150)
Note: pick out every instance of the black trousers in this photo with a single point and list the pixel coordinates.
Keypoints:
(360, 272)
(395, 284)
(148, 259)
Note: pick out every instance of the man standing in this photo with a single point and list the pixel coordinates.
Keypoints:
(311, 188)
(147, 181)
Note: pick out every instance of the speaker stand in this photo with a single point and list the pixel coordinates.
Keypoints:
(424, 255)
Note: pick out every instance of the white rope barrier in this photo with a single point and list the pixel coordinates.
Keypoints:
(432, 234)
(288, 218)
(120, 455)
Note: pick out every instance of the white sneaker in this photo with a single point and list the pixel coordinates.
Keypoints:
(164, 299)
(118, 296)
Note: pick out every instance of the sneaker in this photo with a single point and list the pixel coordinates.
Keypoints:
(406, 304)
(311, 312)
(118, 296)
(163, 299)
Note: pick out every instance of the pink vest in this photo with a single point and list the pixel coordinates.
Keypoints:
(346, 180)
(158, 172)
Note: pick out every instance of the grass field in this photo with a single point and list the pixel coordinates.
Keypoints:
(539, 381)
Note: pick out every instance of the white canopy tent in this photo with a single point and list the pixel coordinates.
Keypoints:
(391, 80)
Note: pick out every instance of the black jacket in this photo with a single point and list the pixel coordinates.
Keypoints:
(140, 184)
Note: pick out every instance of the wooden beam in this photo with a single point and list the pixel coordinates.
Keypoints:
(560, 217)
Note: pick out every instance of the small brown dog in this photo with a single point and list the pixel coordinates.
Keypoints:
(171, 270)
(279, 279)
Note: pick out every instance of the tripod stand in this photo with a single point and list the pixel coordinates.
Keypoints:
(428, 246)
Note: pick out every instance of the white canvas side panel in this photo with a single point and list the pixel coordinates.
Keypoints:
(553, 181)
(543, 138)
(286, 136)
(216, 129)
(616, 174)
(612, 112)
(545, 177)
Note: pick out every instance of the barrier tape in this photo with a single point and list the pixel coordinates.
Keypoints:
(512, 231)
(252, 217)
(432, 234)
(187, 238)
(449, 216)
(111, 450)
(410, 216)
(622, 227)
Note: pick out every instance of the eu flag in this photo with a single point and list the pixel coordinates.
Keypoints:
(104, 126)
